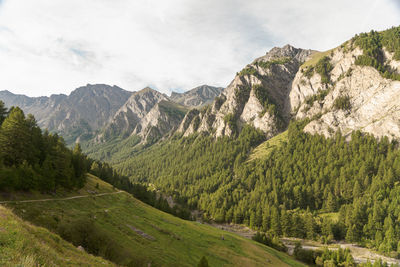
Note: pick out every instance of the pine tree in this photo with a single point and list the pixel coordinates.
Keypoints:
(14, 138)
(203, 262)
(3, 112)
(275, 222)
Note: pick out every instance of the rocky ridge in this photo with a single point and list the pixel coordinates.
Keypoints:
(148, 114)
(256, 96)
(85, 110)
(372, 105)
(197, 97)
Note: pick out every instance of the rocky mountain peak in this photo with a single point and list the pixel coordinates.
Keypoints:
(95, 89)
(256, 96)
(286, 51)
(130, 114)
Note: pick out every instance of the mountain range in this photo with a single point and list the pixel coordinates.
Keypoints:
(101, 111)
(285, 83)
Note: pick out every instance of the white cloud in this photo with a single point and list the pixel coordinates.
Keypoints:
(55, 46)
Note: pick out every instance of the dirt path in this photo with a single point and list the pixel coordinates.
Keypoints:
(57, 199)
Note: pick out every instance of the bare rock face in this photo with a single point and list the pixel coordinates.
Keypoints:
(374, 105)
(197, 97)
(186, 122)
(249, 98)
(132, 112)
(162, 119)
(148, 114)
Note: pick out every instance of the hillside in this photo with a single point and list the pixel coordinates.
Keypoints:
(352, 87)
(141, 234)
(147, 114)
(23, 244)
(256, 96)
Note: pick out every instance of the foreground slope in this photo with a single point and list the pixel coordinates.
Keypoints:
(145, 235)
(23, 244)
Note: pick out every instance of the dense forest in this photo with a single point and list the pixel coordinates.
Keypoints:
(34, 160)
(310, 187)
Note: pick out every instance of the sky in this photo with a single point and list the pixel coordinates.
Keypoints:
(54, 46)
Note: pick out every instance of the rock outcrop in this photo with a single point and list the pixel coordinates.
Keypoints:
(256, 96)
(197, 97)
(372, 106)
(148, 114)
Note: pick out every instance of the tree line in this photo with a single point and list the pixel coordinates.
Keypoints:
(34, 160)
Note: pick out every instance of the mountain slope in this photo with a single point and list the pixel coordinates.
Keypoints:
(147, 114)
(77, 116)
(197, 97)
(352, 93)
(130, 114)
(23, 244)
(146, 235)
(351, 87)
(256, 96)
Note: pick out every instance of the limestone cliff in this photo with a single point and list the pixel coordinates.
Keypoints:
(256, 96)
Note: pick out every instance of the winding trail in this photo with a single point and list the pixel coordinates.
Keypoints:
(58, 199)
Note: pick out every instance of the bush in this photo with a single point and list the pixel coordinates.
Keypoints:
(323, 68)
(247, 71)
(270, 241)
(84, 232)
(309, 72)
(278, 61)
(342, 102)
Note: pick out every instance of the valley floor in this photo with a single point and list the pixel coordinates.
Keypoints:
(360, 254)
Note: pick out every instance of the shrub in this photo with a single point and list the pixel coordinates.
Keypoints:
(247, 71)
(342, 102)
(278, 61)
(309, 72)
(323, 68)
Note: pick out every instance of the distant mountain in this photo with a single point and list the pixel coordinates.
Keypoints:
(79, 115)
(197, 97)
(148, 114)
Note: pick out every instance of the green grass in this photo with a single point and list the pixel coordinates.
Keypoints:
(315, 57)
(264, 149)
(22, 244)
(90, 187)
(173, 109)
(176, 242)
